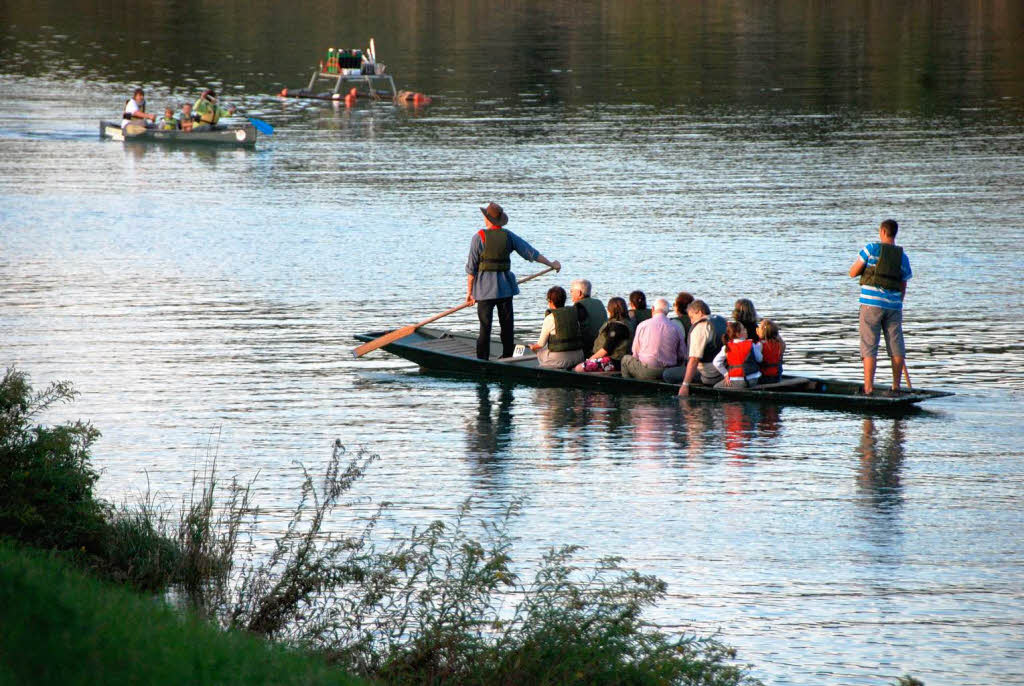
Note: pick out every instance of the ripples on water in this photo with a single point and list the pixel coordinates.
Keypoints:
(205, 302)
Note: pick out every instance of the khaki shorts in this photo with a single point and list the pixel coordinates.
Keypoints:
(875, 321)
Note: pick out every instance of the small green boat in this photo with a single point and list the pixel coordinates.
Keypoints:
(235, 136)
(436, 350)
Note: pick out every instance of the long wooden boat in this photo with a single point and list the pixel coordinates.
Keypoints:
(234, 136)
(437, 350)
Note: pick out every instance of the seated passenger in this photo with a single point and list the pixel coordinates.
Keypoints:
(772, 350)
(744, 313)
(208, 112)
(657, 344)
(680, 317)
(560, 345)
(704, 344)
(591, 311)
(135, 108)
(638, 312)
(612, 343)
(185, 119)
(739, 359)
(168, 122)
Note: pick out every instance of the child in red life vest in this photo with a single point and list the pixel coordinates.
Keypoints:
(739, 360)
(772, 349)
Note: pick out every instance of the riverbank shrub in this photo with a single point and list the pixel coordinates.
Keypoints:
(447, 603)
(47, 481)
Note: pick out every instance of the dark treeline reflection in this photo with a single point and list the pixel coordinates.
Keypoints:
(792, 54)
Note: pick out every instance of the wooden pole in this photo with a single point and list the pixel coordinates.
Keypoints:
(407, 330)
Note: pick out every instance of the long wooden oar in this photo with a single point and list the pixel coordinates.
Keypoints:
(906, 374)
(406, 330)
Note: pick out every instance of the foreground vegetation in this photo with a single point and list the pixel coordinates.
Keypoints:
(441, 604)
(59, 626)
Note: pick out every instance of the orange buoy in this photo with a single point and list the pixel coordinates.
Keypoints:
(350, 100)
(284, 92)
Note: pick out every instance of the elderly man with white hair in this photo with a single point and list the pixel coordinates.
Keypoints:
(657, 344)
(591, 311)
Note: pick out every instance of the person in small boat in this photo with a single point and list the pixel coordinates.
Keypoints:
(185, 118)
(490, 282)
(638, 311)
(745, 313)
(613, 342)
(884, 270)
(772, 350)
(703, 346)
(135, 109)
(680, 318)
(739, 359)
(208, 112)
(591, 311)
(657, 344)
(560, 345)
(168, 122)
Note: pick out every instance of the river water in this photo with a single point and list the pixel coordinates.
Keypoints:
(204, 302)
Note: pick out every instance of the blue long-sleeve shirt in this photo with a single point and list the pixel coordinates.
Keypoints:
(494, 285)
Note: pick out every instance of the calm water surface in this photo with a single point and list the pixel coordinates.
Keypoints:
(204, 302)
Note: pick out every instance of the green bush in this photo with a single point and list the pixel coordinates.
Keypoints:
(45, 474)
(47, 480)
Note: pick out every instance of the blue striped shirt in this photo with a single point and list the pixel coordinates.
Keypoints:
(882, 297)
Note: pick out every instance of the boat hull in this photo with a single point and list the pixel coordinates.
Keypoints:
(440, 351)
(235, 137)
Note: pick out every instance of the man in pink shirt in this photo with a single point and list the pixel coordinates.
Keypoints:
(657, 344)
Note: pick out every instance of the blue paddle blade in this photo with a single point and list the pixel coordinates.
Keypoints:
(262, 126)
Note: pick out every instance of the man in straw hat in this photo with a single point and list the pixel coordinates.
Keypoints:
(490, 282)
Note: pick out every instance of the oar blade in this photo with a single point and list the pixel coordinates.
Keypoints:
(370, 346)
(261, 126)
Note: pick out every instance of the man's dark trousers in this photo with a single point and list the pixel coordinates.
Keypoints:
(485, 311)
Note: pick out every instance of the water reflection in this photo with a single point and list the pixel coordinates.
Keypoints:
(489, 434)
(881, 460)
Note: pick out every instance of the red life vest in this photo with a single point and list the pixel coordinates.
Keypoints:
(771, 358)
(736, 353)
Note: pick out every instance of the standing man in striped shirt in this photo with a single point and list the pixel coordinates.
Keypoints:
(884, 270)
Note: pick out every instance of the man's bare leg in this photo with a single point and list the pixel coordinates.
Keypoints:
(869, 375)
(897, 372)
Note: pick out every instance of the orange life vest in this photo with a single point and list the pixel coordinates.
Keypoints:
(736, 355)
(771, 358)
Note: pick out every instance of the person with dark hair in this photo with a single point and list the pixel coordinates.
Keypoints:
(560, 345)
(135, 108)
(744, 313)
(739, 359)
(207, 112)
(638, 311)
(490, 282)
(612, 343)
(884, 270)
(657, 345)
(590, 309)
(680, 319)
(704, 346)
